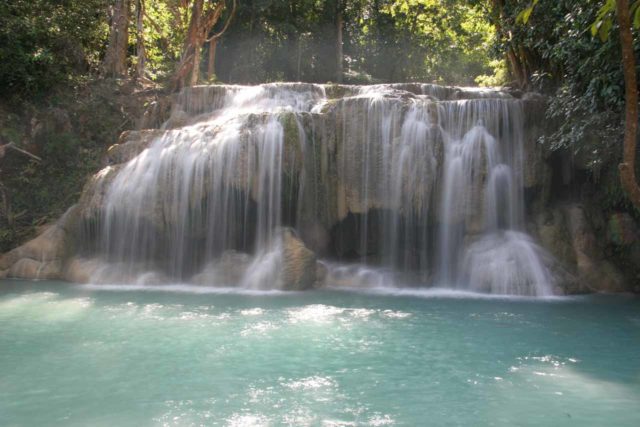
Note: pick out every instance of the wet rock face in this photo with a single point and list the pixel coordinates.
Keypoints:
(555, 236)
(568, 234)
(591, 267)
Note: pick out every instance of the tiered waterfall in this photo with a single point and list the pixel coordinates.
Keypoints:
(422, 183)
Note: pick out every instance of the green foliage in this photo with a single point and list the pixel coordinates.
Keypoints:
(604, 21)
(499, 75)
(70, 130)
(523, 17)
(165, 25)
(572, 52)
(383, 40)
(44, 43)
(447, 41)
(582, 73)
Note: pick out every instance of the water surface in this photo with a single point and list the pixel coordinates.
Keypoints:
(129, 356)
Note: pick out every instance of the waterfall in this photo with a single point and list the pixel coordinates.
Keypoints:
(482, 246)
(423, 182)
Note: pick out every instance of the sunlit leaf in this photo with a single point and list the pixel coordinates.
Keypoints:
(603, 32)
(523, 17)
(635, 7)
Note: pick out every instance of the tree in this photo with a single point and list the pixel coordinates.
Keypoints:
(44, 43)
(140, 49)
(339, 50)
(115, 60)
(202, 20)
(627, 167)
(601, 27)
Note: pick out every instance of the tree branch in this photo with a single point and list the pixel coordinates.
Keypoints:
(226, 24)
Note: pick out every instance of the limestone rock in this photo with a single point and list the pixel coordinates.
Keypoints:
(298, 263)
(94, 192)
(43, 257)
(155, 114)
(80, 270)
(228, 270)
(130, 144)
(27, 268)
(555, 236)
(585, 246)
(567, 233)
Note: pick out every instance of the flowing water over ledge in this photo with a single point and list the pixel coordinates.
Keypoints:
(422, 180)
(142, 356)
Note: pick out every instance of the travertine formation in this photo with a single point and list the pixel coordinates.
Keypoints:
(424, 180)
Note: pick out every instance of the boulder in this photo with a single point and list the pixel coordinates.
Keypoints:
(287, 265)
(130, 144)
(44, 256)
(298, 263)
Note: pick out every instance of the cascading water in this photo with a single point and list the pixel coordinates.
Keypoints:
(483, 202)
(422, 181)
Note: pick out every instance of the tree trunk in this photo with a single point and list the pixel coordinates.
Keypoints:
(140, 39)
(191, 50)
(195, 66)
(339, 52)
(517, 68)
(525, 66)
(299, 61)
(516, 64)
(211, 63)
(115, 60)
(292, 34)
(627, 167)
(200, 24)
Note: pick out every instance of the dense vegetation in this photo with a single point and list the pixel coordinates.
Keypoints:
(54, 52)
(44, 43)
(555, 52)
